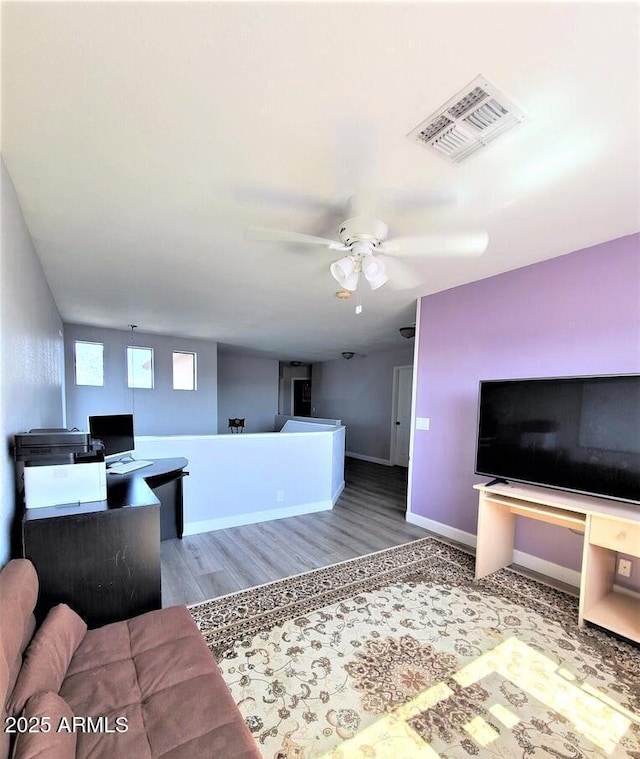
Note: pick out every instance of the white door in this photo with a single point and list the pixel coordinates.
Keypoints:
(403, 379)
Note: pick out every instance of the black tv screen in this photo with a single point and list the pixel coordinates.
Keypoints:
(574, 433)
(115, 431)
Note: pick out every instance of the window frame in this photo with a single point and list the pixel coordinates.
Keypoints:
(194, 374)
(75, 363)
(130, 375)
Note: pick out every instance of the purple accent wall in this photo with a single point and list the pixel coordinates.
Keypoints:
(573, 315)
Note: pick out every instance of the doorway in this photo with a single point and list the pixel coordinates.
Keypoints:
(401, 415)
(301, 392)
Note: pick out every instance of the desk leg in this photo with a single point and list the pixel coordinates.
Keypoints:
(494, 548)
(168, 490)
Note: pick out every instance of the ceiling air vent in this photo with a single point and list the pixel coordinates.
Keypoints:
(468, 122)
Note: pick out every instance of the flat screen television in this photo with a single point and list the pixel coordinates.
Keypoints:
(115, 431)
(573, 433)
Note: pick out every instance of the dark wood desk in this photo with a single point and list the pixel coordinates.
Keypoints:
(103, 558)
(164, 477)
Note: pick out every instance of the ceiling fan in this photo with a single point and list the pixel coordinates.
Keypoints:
(363, 238)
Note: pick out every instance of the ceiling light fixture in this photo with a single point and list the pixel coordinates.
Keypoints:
(373, 270)
(348, 354)
(346, 271)
(408, 332)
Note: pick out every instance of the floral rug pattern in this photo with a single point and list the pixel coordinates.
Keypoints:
(402, 653)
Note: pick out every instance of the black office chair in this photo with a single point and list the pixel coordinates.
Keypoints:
(236, 425)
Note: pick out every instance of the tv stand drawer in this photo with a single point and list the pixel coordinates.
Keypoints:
(615, 534)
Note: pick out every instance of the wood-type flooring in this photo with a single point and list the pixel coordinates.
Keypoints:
(369, 516)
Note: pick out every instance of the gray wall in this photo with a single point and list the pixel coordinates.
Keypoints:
(160, 411)
(31, 378)
(247, 387)
(360, 393)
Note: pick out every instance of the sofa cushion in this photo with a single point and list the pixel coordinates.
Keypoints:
(130, 744)
(197, 719)
(57, 743)
(48, 656)
(18, 594)
(157, 672)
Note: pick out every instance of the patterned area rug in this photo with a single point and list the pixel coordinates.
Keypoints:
(403, 654)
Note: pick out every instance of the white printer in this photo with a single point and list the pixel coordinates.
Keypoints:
(60, 466)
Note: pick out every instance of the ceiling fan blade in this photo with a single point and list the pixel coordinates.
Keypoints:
(283, 199)
(366, 202)
(439, 244)
(386, 202)
(401, 275)
(266, 234)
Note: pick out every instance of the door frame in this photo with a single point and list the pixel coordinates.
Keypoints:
(393, 455)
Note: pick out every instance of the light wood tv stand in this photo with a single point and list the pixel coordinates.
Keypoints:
(609, 527)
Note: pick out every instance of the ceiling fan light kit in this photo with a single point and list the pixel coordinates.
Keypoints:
(374, 272)
(346, 272)
(364, 239)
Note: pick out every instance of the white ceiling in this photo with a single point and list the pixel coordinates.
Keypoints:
(144, 138)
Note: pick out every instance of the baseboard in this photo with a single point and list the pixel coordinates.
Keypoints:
(547, 568)
(338, 493)
(253, 517)
(526, 560)
(453, 533)
(372, 459)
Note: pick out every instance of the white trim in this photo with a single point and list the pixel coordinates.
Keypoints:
(526, 560)
(281, 398)
(547, 568)
(393, 446)
(414, 395)
(338, 493)
(243, 436)
(466, 538)
(253, 517)
(372, 459)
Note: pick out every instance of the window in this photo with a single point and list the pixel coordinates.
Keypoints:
(184, 370)
(89, 363)
(140, 367)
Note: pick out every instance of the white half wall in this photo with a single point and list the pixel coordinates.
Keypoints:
(280, 420)
(242, 479)
(295, 425)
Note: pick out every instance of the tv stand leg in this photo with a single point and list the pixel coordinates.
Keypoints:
(496, 527)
